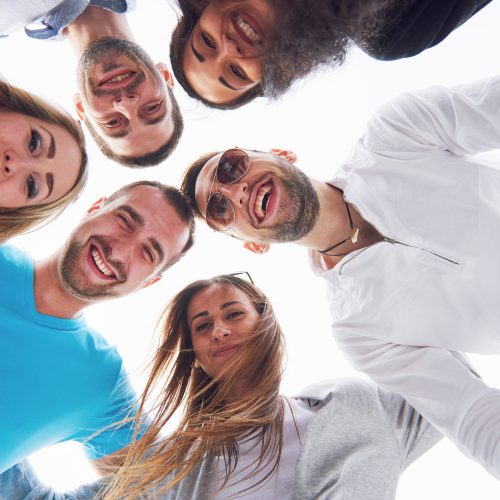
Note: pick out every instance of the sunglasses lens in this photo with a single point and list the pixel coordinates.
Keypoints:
(220, 213)
(233, 165)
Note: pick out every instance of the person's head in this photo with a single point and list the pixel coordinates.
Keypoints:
(227, 52)
(127, 103)
(126, 241)
(258, 197)
(43, 162)
(220, 356)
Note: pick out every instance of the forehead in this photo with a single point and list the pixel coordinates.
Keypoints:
(214, 296)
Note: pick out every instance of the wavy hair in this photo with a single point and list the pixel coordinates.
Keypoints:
(210, 423)
(20, 220)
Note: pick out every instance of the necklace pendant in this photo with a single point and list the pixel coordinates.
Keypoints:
(354, 234)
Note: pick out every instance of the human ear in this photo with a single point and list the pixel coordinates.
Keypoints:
(96, 205)
(289, 156)
(167, 76)
(77, 101)
(152, 281)
(256, 247)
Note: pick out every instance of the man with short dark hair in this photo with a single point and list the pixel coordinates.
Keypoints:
(125, 100)
(61, 380)
(406, 235)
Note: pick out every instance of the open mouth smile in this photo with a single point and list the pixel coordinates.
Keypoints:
(262, 206)
(101, 268)
(247, 28)
(117, 80)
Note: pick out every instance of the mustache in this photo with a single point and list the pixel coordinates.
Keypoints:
(129, 89)
(118, 266)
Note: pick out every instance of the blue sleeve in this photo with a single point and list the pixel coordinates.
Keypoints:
(113, 429)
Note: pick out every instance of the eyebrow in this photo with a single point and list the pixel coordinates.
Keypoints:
(133, 213)
(157, 247)
(52, 146)
(158, 119)
(224, 82)
(50, 183)
(196, 53)
(223, 306)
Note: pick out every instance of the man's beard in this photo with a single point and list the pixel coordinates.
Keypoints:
(307, 36)
(78, 286)
(105, 50)
(303, 212)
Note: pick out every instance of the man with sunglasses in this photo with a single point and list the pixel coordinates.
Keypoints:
(406, 235)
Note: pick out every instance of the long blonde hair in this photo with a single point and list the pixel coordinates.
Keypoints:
(210, 422)
(19, 220)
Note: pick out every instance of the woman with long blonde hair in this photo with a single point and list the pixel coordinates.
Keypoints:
(219, 363)
(43, 162)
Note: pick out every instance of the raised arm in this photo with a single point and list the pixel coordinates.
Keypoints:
(440, 386)
(462, 120)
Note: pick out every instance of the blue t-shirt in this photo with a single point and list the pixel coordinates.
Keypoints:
(59, 380)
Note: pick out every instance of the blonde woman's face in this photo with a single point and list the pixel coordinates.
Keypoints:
(220, 319)
(39, 161)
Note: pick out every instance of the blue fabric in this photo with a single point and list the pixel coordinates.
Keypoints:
(51, 25)
(59, 380)
(21, 483)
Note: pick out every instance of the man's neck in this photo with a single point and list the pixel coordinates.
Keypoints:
(332, 224)
(51, 297)
(95, 23)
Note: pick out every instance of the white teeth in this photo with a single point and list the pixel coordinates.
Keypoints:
(119, 78)
(260, 211)
(100, 264)
(247, 29)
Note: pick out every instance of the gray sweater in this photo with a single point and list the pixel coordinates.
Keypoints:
(356, 447)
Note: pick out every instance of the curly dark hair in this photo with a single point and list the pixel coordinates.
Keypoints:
(302, 40)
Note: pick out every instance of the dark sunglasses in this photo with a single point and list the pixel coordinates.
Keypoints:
(232, 166)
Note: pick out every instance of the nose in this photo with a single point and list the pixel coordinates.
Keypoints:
(231, 47)
(237, 192)
(220, 331)
(124, 102)
(13, 164)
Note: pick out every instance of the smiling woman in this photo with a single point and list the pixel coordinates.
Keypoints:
(43, 162)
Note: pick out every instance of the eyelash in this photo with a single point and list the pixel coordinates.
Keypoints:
(113, 123)
(123, 221)
(231, 316)
(207, 41)
(34, 142)
(31, 187)
(152, 108)
(149, 255)
(237, 73)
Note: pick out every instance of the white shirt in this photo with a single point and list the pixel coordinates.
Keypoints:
(399, 306)
(297, 416)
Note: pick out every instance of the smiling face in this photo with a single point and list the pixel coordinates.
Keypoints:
(220, 319)
(223, 55)
(273, 202)
(122, 246)
(124, 97)
(39, 161)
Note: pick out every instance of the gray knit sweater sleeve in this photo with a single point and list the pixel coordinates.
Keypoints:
(359, 444)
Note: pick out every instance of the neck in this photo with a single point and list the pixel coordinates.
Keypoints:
(51, 297)
(95, 23)
(332, 224)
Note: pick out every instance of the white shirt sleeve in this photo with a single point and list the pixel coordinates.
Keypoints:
(462, 120)
(438, 384)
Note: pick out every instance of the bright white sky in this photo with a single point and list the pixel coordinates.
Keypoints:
(320, 121)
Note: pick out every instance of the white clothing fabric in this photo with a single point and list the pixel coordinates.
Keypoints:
(298, 414)
(16, 14)
(432, 286)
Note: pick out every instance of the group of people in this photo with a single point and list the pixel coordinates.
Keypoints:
(404, 234)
